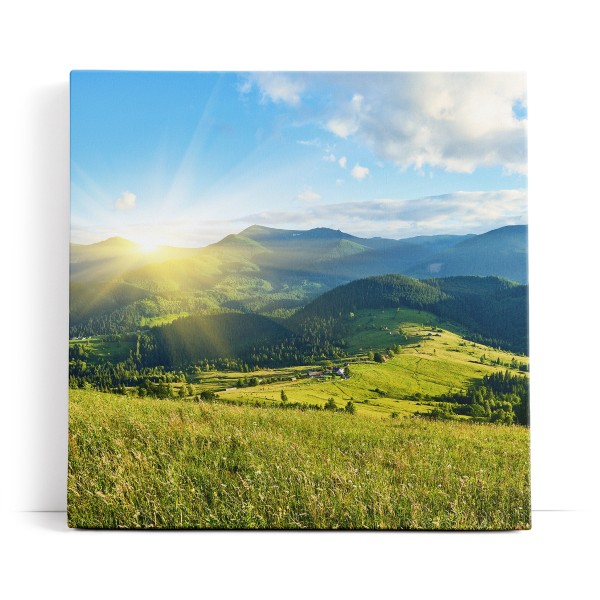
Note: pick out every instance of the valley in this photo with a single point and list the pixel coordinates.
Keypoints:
(298, 300)
(397, 362)
(248, 374)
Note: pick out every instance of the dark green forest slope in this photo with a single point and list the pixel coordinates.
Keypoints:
(489, 309)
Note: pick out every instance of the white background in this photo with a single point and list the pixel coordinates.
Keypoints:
(41, 42)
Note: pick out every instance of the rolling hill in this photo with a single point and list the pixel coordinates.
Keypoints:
(116, 286)
(489, 310)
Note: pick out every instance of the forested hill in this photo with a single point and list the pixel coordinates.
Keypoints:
(489, 309)
(382, 291)
(227, 335)
(494, 310)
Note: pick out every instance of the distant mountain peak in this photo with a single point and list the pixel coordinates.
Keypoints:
(326, 233)
(501, 252)
(508, 228)
(237, 240)
(259, 229)
(115, 242)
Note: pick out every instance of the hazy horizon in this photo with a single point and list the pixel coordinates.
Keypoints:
(121, 237)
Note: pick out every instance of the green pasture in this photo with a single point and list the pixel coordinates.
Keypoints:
(103, 350)
(142, 463)
(374, 329)
(432, 361)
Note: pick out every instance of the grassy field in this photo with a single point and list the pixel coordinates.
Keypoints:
(169, 464)
(309, 392)
(432, 361)
(147, 463)
(103, 350)
(377, 328)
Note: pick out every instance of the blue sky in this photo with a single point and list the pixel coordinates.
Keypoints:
(186, 158)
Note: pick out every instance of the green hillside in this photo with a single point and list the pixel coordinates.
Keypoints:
(394, 361)
(316, 332)
(175, 464)
(494, 311)
(190, 339)
(489, 309)
(427, 362)
(334, 326)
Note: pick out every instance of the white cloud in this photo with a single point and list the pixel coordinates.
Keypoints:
(126, 201)
(342, 127)
(244, 87)
(313, 142)
(452, 121)
(342, 162)
(347, 122)
(339, 181)
(279, 87)
(308, 195)
(329, 157)
(359, 172)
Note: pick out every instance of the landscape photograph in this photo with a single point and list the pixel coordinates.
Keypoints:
(299, 301)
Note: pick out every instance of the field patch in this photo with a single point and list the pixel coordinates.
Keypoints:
(373, 329)
(431, 361)
(100, 349)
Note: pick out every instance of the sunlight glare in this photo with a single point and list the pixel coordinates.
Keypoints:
(147, 246)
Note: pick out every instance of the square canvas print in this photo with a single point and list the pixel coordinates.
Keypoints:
(298, 300)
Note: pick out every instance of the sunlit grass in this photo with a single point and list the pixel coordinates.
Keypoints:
(430, 363)
(167, 464)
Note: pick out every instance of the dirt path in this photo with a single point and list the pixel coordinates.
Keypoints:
(416, 374)
(343, 391)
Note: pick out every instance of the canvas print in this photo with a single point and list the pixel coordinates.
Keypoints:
(298, 300)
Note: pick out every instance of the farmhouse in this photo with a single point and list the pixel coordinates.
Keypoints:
(315, 374)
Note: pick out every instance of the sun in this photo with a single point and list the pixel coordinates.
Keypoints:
(147, 246)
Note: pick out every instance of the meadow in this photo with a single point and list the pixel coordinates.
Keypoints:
(228, 448)
(147, 463)
(431, 361)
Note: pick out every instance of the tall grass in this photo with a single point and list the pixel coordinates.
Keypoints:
(167, 464)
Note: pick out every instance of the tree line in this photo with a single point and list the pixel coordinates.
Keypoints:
(499, 398)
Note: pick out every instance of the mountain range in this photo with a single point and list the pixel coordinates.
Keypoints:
(116, 287)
